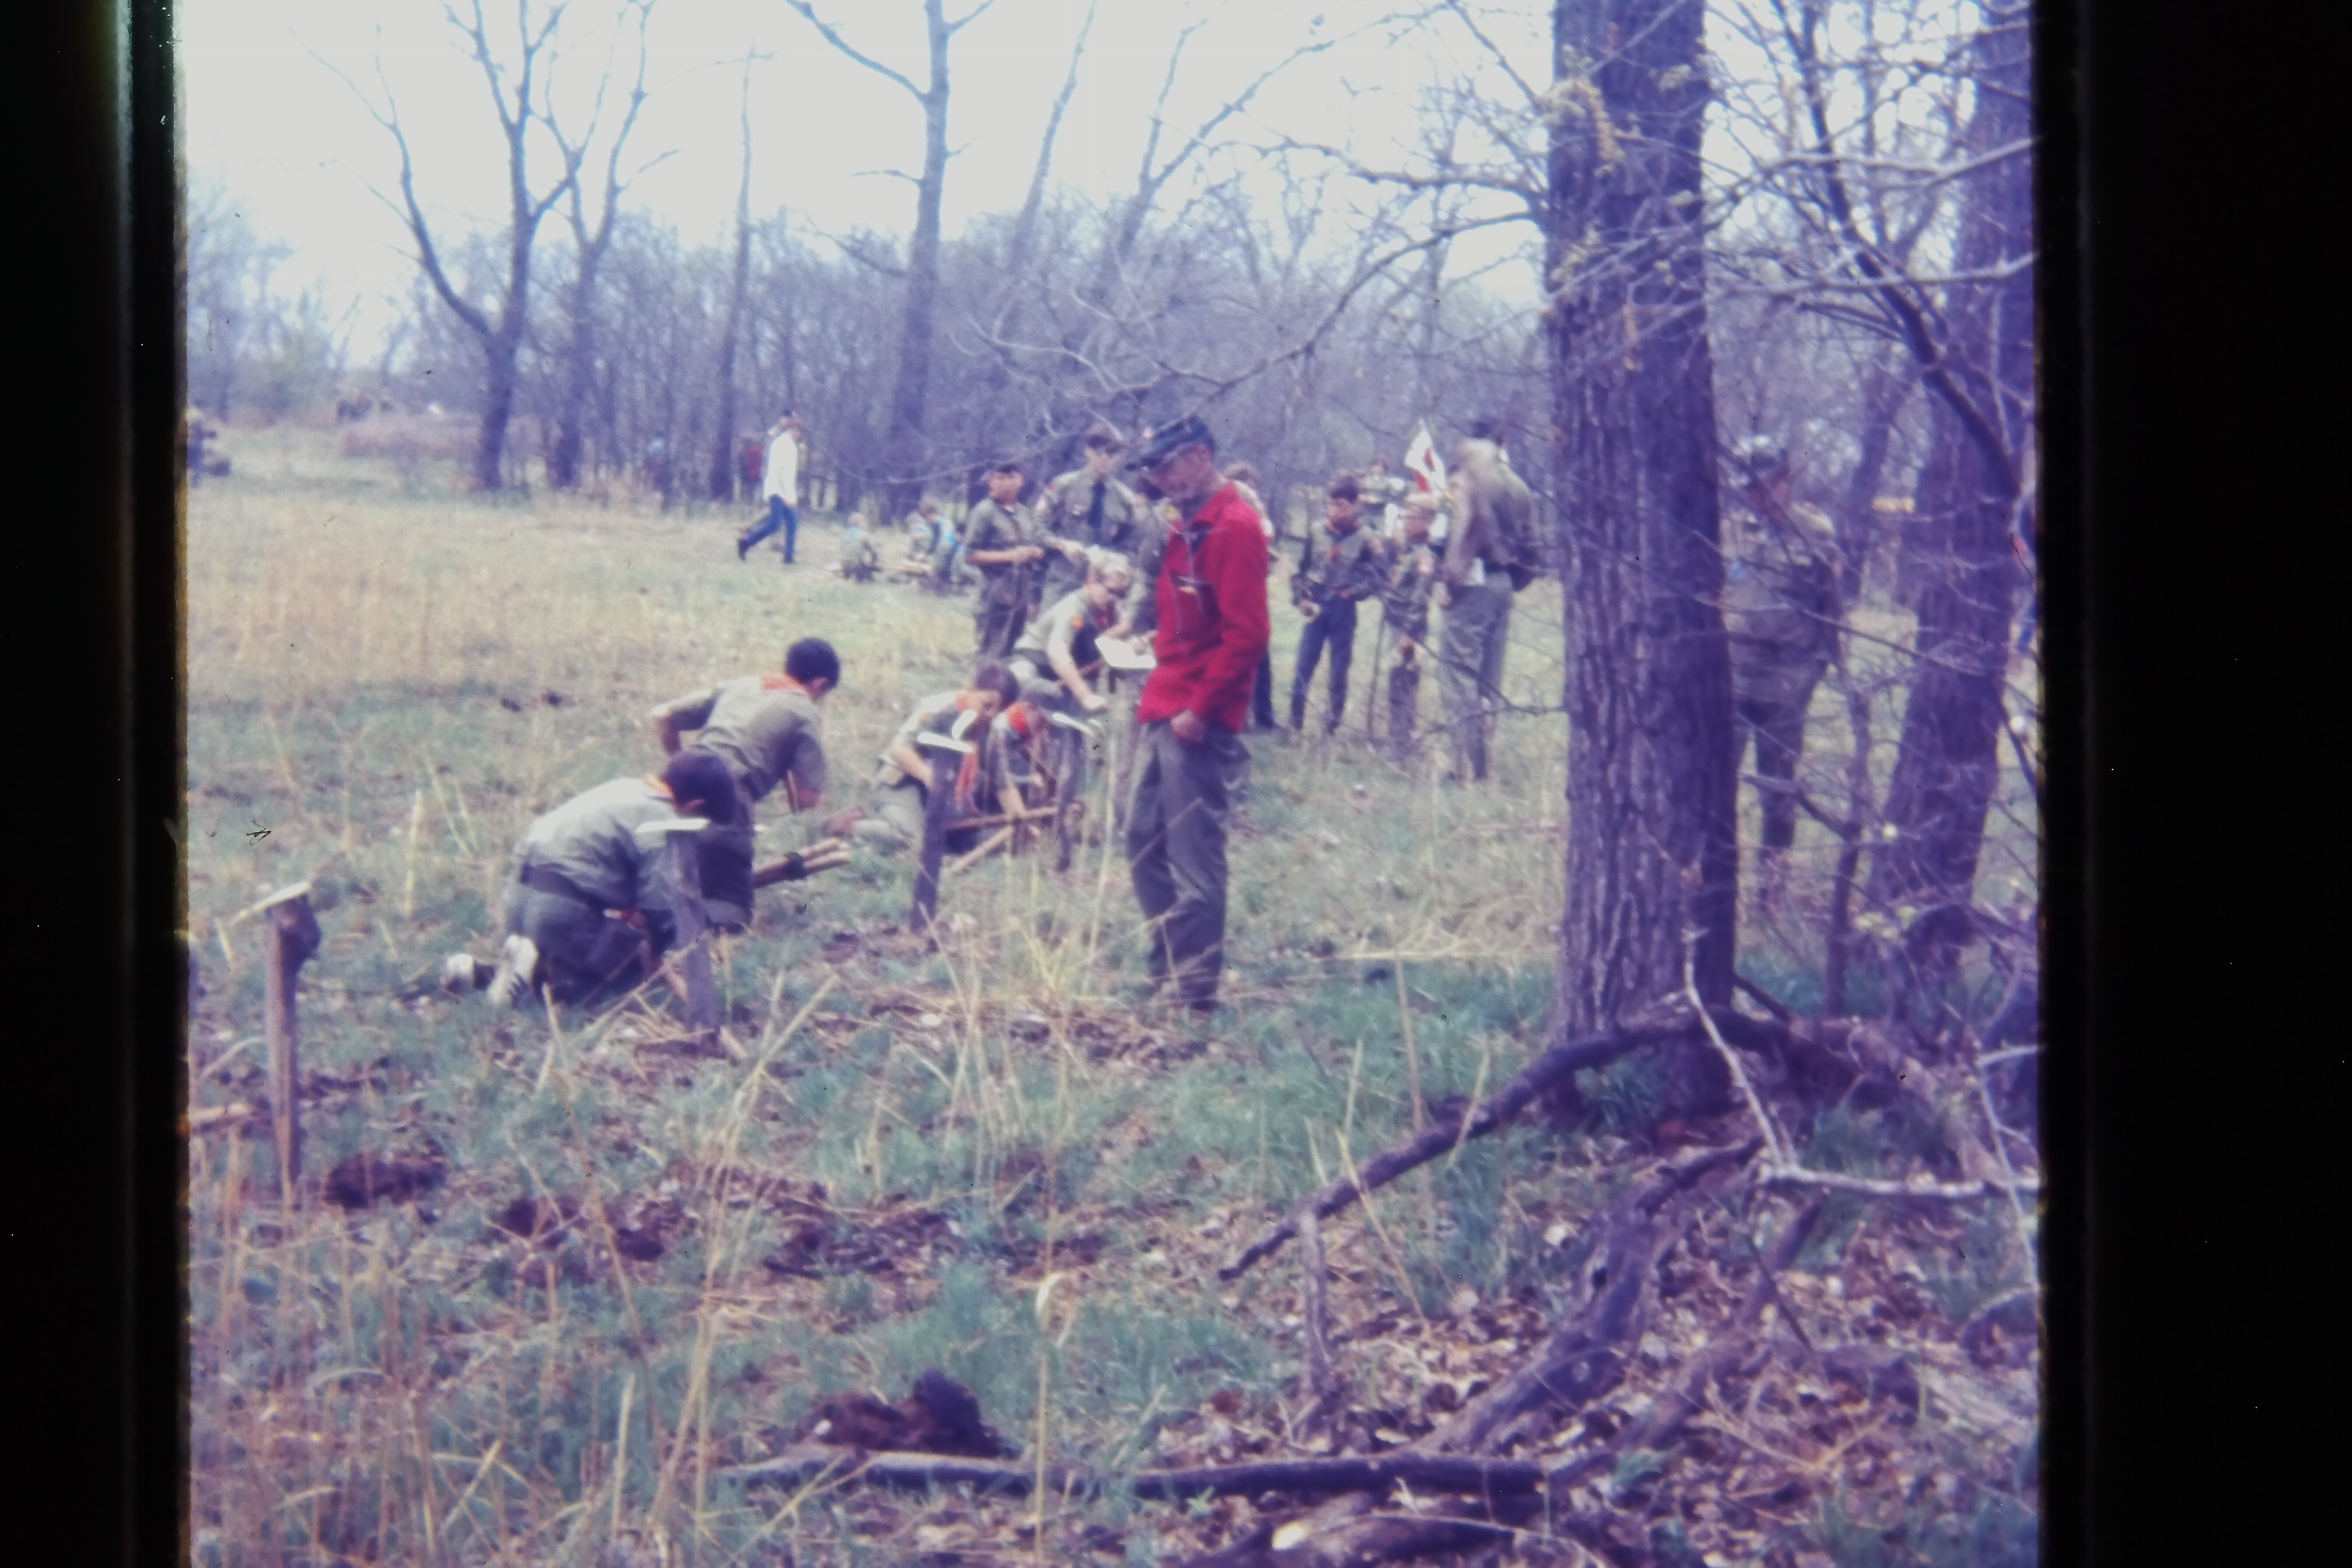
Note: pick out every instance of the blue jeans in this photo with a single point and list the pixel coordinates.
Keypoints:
(778, 516)
(1334, 624)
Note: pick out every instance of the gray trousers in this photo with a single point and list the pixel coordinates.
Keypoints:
(1470, 670)
(1777, 719)
(1176, 851)
(581, 950)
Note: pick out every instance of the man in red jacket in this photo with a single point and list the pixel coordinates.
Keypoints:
(1214, 628)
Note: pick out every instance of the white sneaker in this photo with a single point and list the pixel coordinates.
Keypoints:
(459, 972)
(517, 962)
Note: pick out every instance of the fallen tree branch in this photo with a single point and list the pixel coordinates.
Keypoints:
(1560, 1061)
(1350, 1473)
(989, 846)
(1920, 1186)
(219, 1117)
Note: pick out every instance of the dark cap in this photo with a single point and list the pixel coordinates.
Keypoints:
(1170, 439)
(1007, 465)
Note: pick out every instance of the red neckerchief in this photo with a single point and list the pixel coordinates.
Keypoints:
(783, 683)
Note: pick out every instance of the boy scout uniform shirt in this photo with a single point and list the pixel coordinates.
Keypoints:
(588, 848)
(1071, 621)
(1066, 511)
(932, 715)
(993, 527)
(760, 727)
(1779, 599)
(1340, 566)
(1404, 600)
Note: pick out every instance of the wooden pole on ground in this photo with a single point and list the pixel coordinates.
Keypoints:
(293, 938)
(693, 927)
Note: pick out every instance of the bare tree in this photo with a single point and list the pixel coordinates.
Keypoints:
(1651, 851)
(520, 96)
(590, 242)
(722, 441)
(909, 397)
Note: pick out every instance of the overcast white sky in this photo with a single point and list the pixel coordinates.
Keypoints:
(298, 150)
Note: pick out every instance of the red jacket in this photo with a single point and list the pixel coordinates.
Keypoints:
(1214, 626)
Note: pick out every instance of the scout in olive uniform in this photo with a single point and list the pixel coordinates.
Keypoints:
(1340, 566)
(1056, 654)
(591, 902)
(1001, 539)
(1404, 608)
(768, 731)
(1485, 564)
(1383, 497)
(1089, 509)
(908, 772)
(1780, 608)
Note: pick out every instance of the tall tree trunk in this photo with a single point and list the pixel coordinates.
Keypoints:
(1949, 758)
(579, 378)
(910, 396)
(1651, 851)
(722, 442)
(1884, 391)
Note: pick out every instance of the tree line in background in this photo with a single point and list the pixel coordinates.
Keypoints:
(1832, 241)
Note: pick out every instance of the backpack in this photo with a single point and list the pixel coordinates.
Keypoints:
(1512, 543)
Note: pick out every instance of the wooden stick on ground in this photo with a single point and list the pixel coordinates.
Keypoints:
(989, 846)
(1560, 1061)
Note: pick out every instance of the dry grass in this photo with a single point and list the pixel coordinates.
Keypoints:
(391, 680)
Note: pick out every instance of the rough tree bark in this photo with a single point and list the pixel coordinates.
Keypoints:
(1650, 783)
(1976, 478)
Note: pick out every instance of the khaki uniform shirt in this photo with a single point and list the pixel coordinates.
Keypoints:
(1779, 599)
(1071, 622)
(590, 843)
(762, 728)
(1064, 509)
(993, 527)
(1404, 600)
(932, 715)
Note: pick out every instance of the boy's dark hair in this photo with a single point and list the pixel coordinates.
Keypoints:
(697, 774)
(1006, 466)
(1344, 488)
(1103, 438)
(812, 658)
(995, 674)
(1486, 430)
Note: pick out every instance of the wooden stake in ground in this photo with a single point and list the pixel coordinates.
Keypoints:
(293, 938)
(946, 753)
(693, 925)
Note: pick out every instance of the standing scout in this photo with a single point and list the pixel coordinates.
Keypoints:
(1780, 608)
(903, 783)
(591, 903)
(1404, 608)
(768, 731)
(1489, 558)
(1340, 566)
(1212, 626)
(781, 489)
(1089, 509)
(1000, 537)
(1056, 654)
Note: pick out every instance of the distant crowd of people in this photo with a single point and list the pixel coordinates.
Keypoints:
(1152, 566)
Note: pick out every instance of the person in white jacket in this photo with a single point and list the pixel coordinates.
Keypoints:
(781, 488)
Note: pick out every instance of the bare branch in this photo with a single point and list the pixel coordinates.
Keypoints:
(827, 32)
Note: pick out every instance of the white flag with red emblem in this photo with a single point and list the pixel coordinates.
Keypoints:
(1421, 460)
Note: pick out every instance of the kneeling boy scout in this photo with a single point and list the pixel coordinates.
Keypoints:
(591, 903)
(903, 783)
(768, 731)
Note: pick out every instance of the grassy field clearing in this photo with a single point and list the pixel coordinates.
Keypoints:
(642, 1264)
